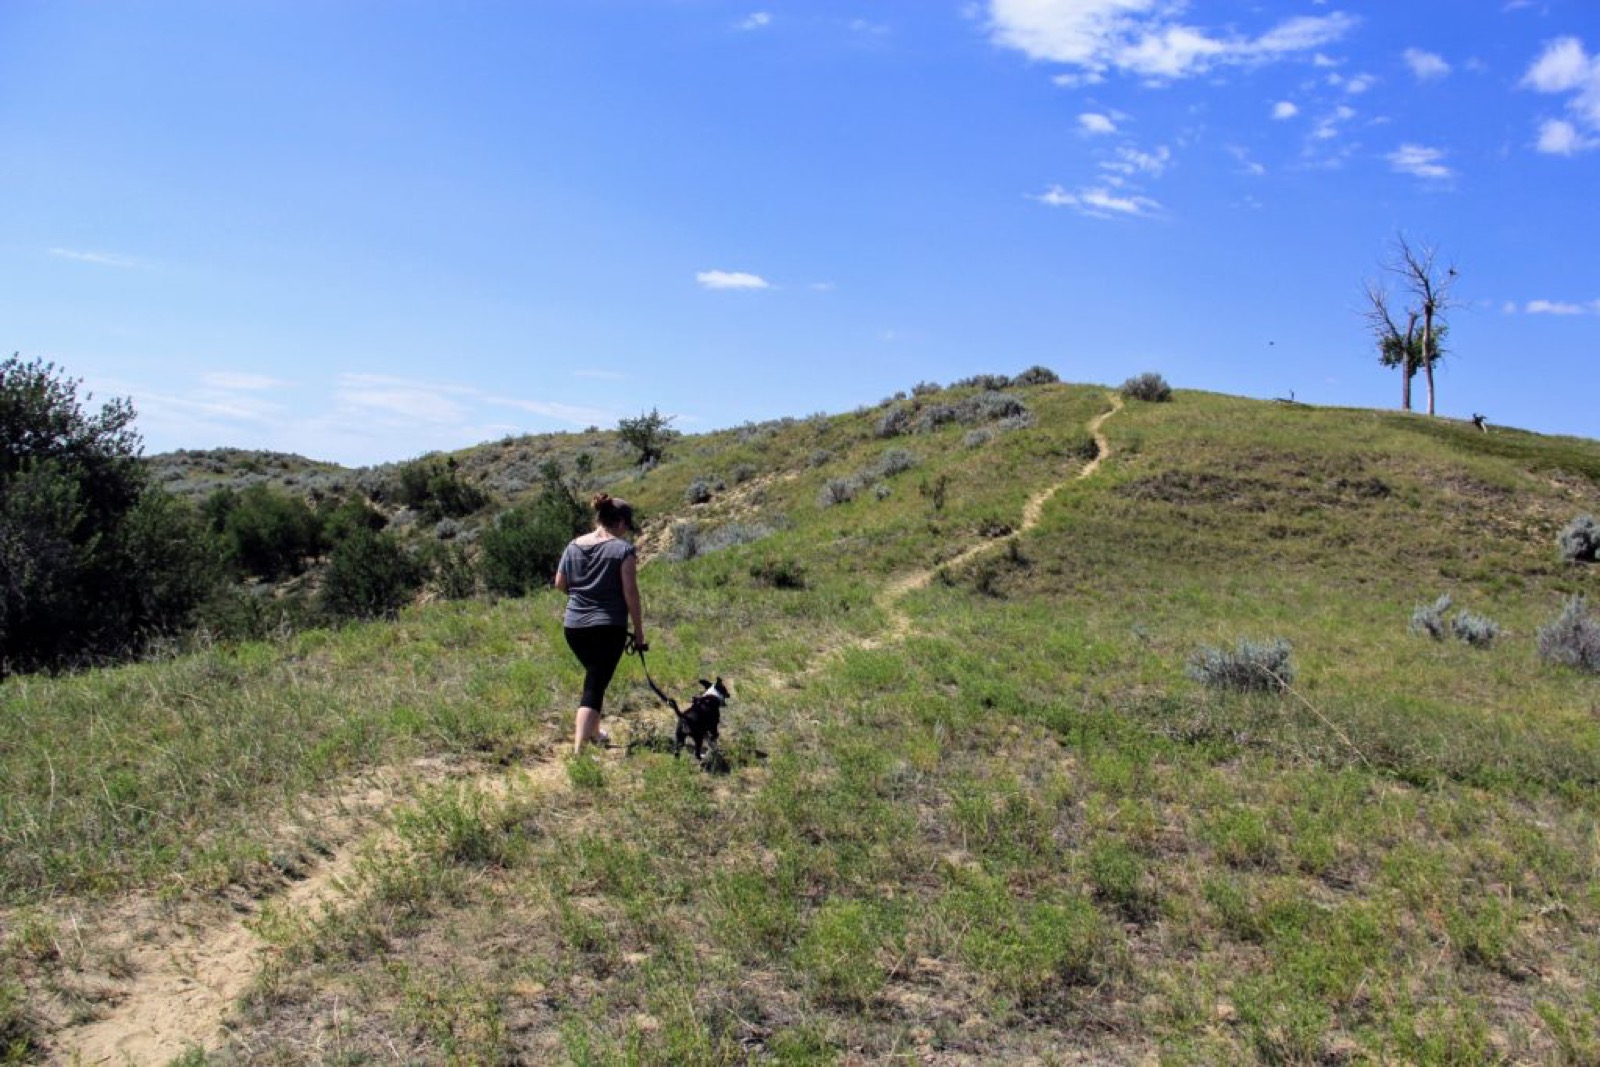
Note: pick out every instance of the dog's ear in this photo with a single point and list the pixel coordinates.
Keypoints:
(704, 684)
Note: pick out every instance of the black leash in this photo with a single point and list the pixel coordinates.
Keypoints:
(637, 649)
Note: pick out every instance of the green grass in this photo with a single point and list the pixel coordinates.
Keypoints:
(1020, 831)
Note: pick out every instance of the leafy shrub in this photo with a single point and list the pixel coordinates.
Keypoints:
(369, 575)
(1580, 540)
(926, 389)
(1429, 618)
(1476, 630)
(820, 458)
(743, 472)
(267, 533)
(978, 438)
(1036, 375)
(1253, 667)
(698, 492)
(438, 491)
(1149, 387)
(340, 520)
(522, 547)
(1573, 639)
(454, 576)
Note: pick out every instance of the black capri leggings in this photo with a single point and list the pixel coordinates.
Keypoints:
(599, 649)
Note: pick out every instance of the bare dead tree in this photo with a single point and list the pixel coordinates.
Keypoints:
(1429, 287)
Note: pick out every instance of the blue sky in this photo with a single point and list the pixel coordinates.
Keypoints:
(364, 230)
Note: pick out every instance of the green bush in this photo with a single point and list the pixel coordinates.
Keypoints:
(437, 490)
(267, 533)
(1149, 387)
(369, 575)
(94, 562)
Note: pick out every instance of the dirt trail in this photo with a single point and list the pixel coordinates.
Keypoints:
(180, 977)
(889, 600)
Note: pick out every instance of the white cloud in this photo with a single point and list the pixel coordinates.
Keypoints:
(1420, 162)
(242, 382)
(1554, 307)
(1141, 37)
(1283, 109)
(99, 259)
(724, 279)
(1100, 202)
(1090, 122)
(1558, 137)
(1562, 67)
(1425, 66)
(756, 21)
(1565, 67)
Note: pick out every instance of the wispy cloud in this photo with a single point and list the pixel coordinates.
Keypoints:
(1420, 161)
(1426, 66)
(1100, 202)
(755, 21)
(731, 279)
(99, 259)
(1565, 67)
(1283, 109)
(1355, 84)
(1130, 161)
(1561, 307)
(1144, 39)
(244, 382)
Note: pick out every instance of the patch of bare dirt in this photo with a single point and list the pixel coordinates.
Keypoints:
(158, 977)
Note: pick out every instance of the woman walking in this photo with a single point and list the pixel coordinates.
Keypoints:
(599, 572)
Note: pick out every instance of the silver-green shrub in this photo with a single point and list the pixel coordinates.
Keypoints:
(1573, 639)
(1476, 630)
(1580, 540)
(1429, 618)
(838, 491)
(1253, 667)
(892, 462)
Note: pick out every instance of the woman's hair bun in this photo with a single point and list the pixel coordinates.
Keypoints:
(600, 500)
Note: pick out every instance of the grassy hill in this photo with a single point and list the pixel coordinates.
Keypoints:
(979, 810)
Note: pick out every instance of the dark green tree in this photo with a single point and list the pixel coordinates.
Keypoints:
(648, 436)
(94, 562)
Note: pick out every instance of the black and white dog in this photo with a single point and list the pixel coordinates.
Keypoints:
(702, 720)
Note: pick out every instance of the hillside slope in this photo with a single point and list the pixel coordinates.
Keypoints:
(978, 810)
